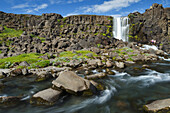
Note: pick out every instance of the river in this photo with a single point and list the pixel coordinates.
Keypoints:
(126, 92)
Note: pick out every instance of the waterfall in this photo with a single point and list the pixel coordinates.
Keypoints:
(121, 28)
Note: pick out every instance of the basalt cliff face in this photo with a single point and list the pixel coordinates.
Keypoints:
(154, 24)
(52, 25)
(58, 33)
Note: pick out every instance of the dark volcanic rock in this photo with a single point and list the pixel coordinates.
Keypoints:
(153, 24)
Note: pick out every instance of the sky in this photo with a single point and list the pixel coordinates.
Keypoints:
(77, 7)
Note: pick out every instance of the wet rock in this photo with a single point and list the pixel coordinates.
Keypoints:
(160, 53)
(5, 72)
(46, 97)
(72, 83)
(10, 100)
(16, 72)
(25, 72)
(24, 63)
(43, 75)
(96, 76)
(2, 75)
(109, 64)
(145, 66)
(97, 85)
(120, 65)
(92, 63)
(158, 106)
(110, 72)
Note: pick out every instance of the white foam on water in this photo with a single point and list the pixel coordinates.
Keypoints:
(104, 97)
(147, 47)
(164, 58)
(151, 78)
(25, 98)
(3, 95)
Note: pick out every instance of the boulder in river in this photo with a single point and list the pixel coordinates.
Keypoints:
(43, 75)
(120, 65)
(46, 97)
(74, 84)
(10, 100)
(158, 106)
(96, 76)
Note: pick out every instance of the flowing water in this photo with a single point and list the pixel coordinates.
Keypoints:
(125, 92)
(121, 28)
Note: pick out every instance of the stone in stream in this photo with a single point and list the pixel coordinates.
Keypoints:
(43, 75)
(16, 72)
(158, 106)
(10, 100)
(109, 64)
(2, 75)
(74, 84)
(96, 76)
(120, 65)
(46, 97)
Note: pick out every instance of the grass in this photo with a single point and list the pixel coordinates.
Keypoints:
(41, 38)
(9, 32)
(69, 55)
(40, 64)
(30, 58)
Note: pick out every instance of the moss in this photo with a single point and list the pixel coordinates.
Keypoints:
(0, 51)
(87, 93)
(104, 34)
(61, 26)
(96, 34)
(58, 20)
(67, 54)
(41, 64)
(98, 45)
(9, 32)
(109, 18)
(129, 59)
(20, 67)
(30, 58)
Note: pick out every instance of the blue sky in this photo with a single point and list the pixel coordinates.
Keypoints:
(75, 7)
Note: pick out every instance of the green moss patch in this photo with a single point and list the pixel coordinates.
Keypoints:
(9, 32)
(30, 58)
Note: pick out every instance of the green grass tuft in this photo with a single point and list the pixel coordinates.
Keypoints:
(9, 32)
(30, 58)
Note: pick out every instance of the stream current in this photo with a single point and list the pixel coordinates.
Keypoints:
(126, 92)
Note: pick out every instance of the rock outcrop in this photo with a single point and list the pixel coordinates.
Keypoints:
(153, 24)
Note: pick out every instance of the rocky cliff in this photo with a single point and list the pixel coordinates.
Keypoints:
(153, 24)
(53, 33)
(52, 25)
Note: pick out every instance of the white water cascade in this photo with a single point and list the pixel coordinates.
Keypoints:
(121, 28)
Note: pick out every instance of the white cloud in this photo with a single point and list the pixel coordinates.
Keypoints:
(29, 10)
(43, 6)
(110, 5)
(64, 1)
(55, 1)
(20, 6)
(71, 14)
